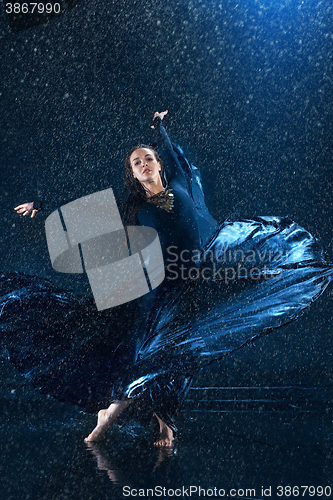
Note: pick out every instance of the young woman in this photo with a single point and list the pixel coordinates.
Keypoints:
(224, 286)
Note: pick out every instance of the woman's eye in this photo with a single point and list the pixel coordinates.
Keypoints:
(149, 159)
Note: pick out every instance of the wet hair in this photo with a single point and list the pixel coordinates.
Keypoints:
(136, 192)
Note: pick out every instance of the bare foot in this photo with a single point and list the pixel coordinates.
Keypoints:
(102, 426)
(166, 436)
(105, 419)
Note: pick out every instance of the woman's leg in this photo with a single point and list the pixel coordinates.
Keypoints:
(106, 418)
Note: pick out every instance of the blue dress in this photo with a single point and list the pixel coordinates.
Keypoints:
(225, 286)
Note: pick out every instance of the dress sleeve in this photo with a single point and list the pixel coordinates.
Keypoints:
(179, 170)
(49, 205)
(170, 156)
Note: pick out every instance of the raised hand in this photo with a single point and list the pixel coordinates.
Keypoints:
(161, 115)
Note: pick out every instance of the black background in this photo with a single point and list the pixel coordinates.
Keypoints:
(248, 86)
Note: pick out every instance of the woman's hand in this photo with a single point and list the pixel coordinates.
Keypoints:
(26, 209)
(161, 115)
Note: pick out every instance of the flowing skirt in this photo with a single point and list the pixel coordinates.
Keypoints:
(252, 277)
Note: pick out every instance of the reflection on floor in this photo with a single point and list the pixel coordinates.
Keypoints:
(241, 442)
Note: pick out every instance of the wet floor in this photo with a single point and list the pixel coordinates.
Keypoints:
(245, 443)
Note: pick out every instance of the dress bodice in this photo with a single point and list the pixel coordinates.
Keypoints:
(185, 229)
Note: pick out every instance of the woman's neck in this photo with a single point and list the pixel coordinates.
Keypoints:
(153, 188)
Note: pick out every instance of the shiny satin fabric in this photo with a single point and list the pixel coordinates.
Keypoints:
(224, 287)
(253, 277)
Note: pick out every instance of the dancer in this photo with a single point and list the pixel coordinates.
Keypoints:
(225, 285)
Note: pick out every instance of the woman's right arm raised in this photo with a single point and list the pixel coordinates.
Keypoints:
(26, 209)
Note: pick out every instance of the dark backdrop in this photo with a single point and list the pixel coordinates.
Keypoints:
(248, 86)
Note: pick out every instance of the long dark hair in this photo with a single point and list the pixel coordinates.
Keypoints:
(134, 192)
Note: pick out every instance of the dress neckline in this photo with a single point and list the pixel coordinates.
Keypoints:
(164, 199)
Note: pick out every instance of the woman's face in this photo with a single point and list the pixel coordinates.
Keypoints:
(144, 165)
